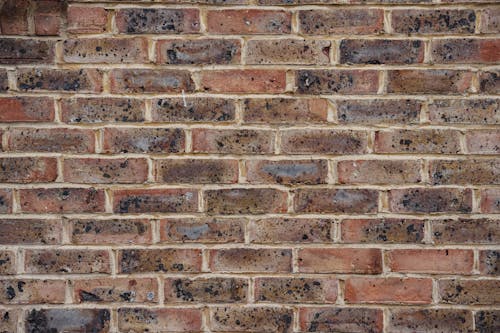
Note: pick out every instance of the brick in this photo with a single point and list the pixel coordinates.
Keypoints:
(232, 141)
(430, 261)
(206, 230)
(115, 231)
(322, 141)
(490, 201)
(30, 231)
(466, 50)
(483, 141)
(144, 140)
(26, 51)
(61, 200)
(159, 260)
(430, 320)
(86, 20)
(154, 320)
(116, 290)
(344, 260)
(421, 141)
(378, 111)
(4, 81)
(285, 110)
(430, 21)
(7, 263)
(51, 140)
(48, 17)
(487, 321)
(296, 290)
(348, 82)
(465, 111)
(196, 171)
(388, 290)
(469, 292)
(150, 81)
(381, 51)
(155, 201)
(77, 80)
(14, 17)
(8, 320)
(105, 50)
(251, 260)
(334, 319)
(430, 200)
(157, 21)
(386, 230)
(105, 171)
(432, 81)
(465, 172)
(251, 21)
(341, 21)
(243, 81)
(101, 110)
(251, 319)
(199, 51)
(67, 261)
(26, 109)
(290, 230)
(490, 21)
(245, 201)
(466, 231)
(68, 320)
(32, 291)
(5, 201)
(28, 169)
(489, 262)
(205, 290)
(193, 109)
(489, 82)
(335, 201)
(287, 172)
(378, 172)
(288, 51)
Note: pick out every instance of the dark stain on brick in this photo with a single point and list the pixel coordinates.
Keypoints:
(62, 320)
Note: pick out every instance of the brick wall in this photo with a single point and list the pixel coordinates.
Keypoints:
(249, 166)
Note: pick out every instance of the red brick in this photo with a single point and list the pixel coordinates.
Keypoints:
(14, 17)
(26, 51)
(251, 21)
(432, 81)
(144, 140)
(45, 79)
(378, 172)
(243, 81)
(421, 141)
(86, 20)
(159, 260)
(465, 172)
(150, 81)
(67, 261)
(251, 260)
(329, 319)
(48, 17)
(173, 320)
(335, 201)
(5, 201)
(287, 172)
(466, 231)
(430, 21)
(68, 320)
(290, 230)
(206, 230)
(26, 109)
(489, 81)
(32, 291)
(378, 111)
(61, 200)
(232, 141)
(206, 290)
(344, 260)
(387, 230)
(322, 141)
(388, 290)
(381, 51)
(288, 51)
(251, 319)
(430, 320)
(341, 21)
(469, 292)
(489, 262)
(466, 50)
(7, 263)
(105, 171)
(155, 201)
(99, 110)
(194, 171)
(296, 290)
(30, 231)
(28, 169)
(158, 21)
(483, 141)
(105, 50)
(464, 111)
(490, 20)
(487, 321)
(115, 231)
(116, 290)
(9, 319)
(430, 261)
(193, 109)
(53, 140)
(334, 81)
(285, 110)
(199, 51)
(490, 201)
(430, 200)
(245, 201)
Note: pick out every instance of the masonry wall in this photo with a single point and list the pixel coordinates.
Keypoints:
(249, 166)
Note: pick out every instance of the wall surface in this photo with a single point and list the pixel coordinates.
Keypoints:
(249, 166)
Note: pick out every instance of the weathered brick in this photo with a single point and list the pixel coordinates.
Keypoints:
(155, 200)
(381, 51)
(328, 319)
(61, 200)
(466, 50)
(487, 321)
(105, 50)
(8, 320)
(290, 230)
(76, 80)
(245, 201)
(378, 172)
(324, 81)
(48, 17)
(4, 81)
(193, 109)
(14, 17)
(322, 141)
(99, 110)
(30, 231)
(26, 51)
(251, 21)
(251, 319)
(5, 201)
(378, 111)
(21, 291)
(341, 21)
(344, 260)
(489, 262)
(469, 292)
(67, 261)
(206, 230)
(489, 82)
(7, 263)
(430, 21)
(105, 171)
(199, 51)
(490, 201)
(126, 80)
(335, 201)
(466, 231)
(251, 260)
(159, 260)
(115, 231)
(53, 140)
(288, 51)
(465, 111)
(483, 141)
(144, 140)
(86, 20)
(388, 290)
(156, 320)
(26, 109)
(430, 200)
(296, 290)
(28, 169)
(158, 21)
(287, 172)
(387, 230)
(206, 290)
(465, 172)
(490, 20)
(421, 141)
(430, 320)
(116, 290)
(430, 261)
(285, 110)
(232, 141)
(243, 81)
(68, 320)
(431, 81)
(196, 171)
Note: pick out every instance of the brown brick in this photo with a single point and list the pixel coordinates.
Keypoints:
(206, 230)
(206, 290)
(251, 319)
(329, 319)
(287, 172)
(9, 319)
(243, 81)
(32, 291)
(144, 140)
(465, 172)
(490, 20)
(26, 109)
(290, 230)
(159, 319)
(388, 290)
(115, 231)
(386, 230)
(67, 261)
(194, 171)
(155, 201)
(466, 50)
(288, 51)
(5, 201)
(150, 81)
(61, 200)
(30, 231)
(322, 141)
(487, 321)
(489, 82)
(378, 172)
(251, 21)
(14, 17)
(53, 140)
(344, 260)
(76, 80)
(48, 17)
(199, 51)
(26, 51)
(158, 21)
(68, 320)
(7, 263)
(466, 231)
(341, 21)
(348, 82)
(335, 201)
(381, 51)
(430, 320)
(251, 260)
(232, 141)
(195, 109)
(28, 169)
(430, 200)
(105, 50)
(489, 262)
(245, 201)
(116, 290)
(378, 111)
(99, 110)
(86, 20)
(483, 141)
(430, 21)
(469, 292)
(432, 81)
(430, 261)
(490, 201)
(159, 260)
(465, 111)
(105, 171)
(421, 141)
(285, 110)
(296, 290)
